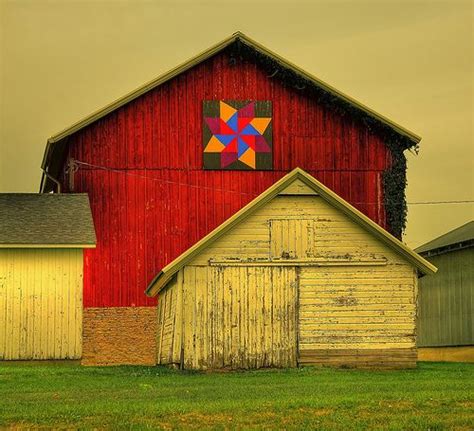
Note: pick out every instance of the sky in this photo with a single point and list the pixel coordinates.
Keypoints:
(411, 61)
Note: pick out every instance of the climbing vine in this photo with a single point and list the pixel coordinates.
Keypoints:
(394, 179)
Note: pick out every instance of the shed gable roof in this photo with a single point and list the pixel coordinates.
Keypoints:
(409, 137)
(462, 234)
(296, 182)
(45, 220)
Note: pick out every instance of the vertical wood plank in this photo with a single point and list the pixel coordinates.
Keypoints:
(236, 294)
(37, 288)
(267, 317)
(178, 319)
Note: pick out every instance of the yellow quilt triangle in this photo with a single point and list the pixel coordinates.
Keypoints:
(260, 124)
(214, 146)
(226, 111)
(248, 158)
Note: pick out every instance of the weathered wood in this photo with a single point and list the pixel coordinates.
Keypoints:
(325, 293)
(298, 188)
(361, 358)
(260, 297)
(167, 329)
(324, 235)
(178, 320)
(251, 313)
(40, 304)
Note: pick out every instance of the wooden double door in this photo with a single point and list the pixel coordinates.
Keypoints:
(242, 316)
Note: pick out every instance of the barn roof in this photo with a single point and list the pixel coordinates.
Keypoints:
(46, 220)
(50, 156)
(166, 274)
(461, 237)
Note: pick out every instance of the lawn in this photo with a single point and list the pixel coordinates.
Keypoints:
(433, 397)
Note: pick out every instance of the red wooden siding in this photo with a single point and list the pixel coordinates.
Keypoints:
(157, 200)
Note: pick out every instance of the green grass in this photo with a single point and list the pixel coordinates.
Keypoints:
(433, 397)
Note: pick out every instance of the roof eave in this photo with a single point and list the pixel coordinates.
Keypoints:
(152, 288)
(449, 248)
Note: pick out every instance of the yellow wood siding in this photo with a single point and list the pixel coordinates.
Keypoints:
(40, 304)
(357, 308)
(297, 281)
(167, 324)
(292, 238)
(334, 235)
(232, 317)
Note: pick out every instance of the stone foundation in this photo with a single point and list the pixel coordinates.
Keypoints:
(119, 336)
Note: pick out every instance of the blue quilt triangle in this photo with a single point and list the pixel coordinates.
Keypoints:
(232, 122)
(225, 139)
(250, 130)
(242, 147)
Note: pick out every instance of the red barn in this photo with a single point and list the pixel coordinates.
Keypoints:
(162, 170)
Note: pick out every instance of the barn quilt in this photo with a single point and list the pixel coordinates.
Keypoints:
(237, 135)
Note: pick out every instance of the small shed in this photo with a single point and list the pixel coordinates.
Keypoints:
(446, 306)
(41, 241)
(298, 276)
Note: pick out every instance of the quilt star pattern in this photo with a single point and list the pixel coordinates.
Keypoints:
(237, 135)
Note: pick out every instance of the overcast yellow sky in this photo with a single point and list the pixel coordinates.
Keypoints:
(412, 61)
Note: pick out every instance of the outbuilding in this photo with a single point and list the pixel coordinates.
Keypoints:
(446, 307)
(42, 237)
(298, 276)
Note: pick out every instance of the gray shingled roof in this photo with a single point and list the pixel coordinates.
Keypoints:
(463, 233)
(45, 219)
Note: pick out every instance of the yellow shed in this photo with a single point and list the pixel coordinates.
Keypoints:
(298, 276)
(41, 242)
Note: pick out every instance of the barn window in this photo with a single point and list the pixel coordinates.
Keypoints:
(237, 135)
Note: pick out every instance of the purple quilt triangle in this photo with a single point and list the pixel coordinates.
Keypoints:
(214, 125)
(247, 111)
(261, 145)
(227, 159)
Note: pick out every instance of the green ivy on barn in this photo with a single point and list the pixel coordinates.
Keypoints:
(394, 179)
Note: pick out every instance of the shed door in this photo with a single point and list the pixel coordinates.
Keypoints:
(251, 319)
